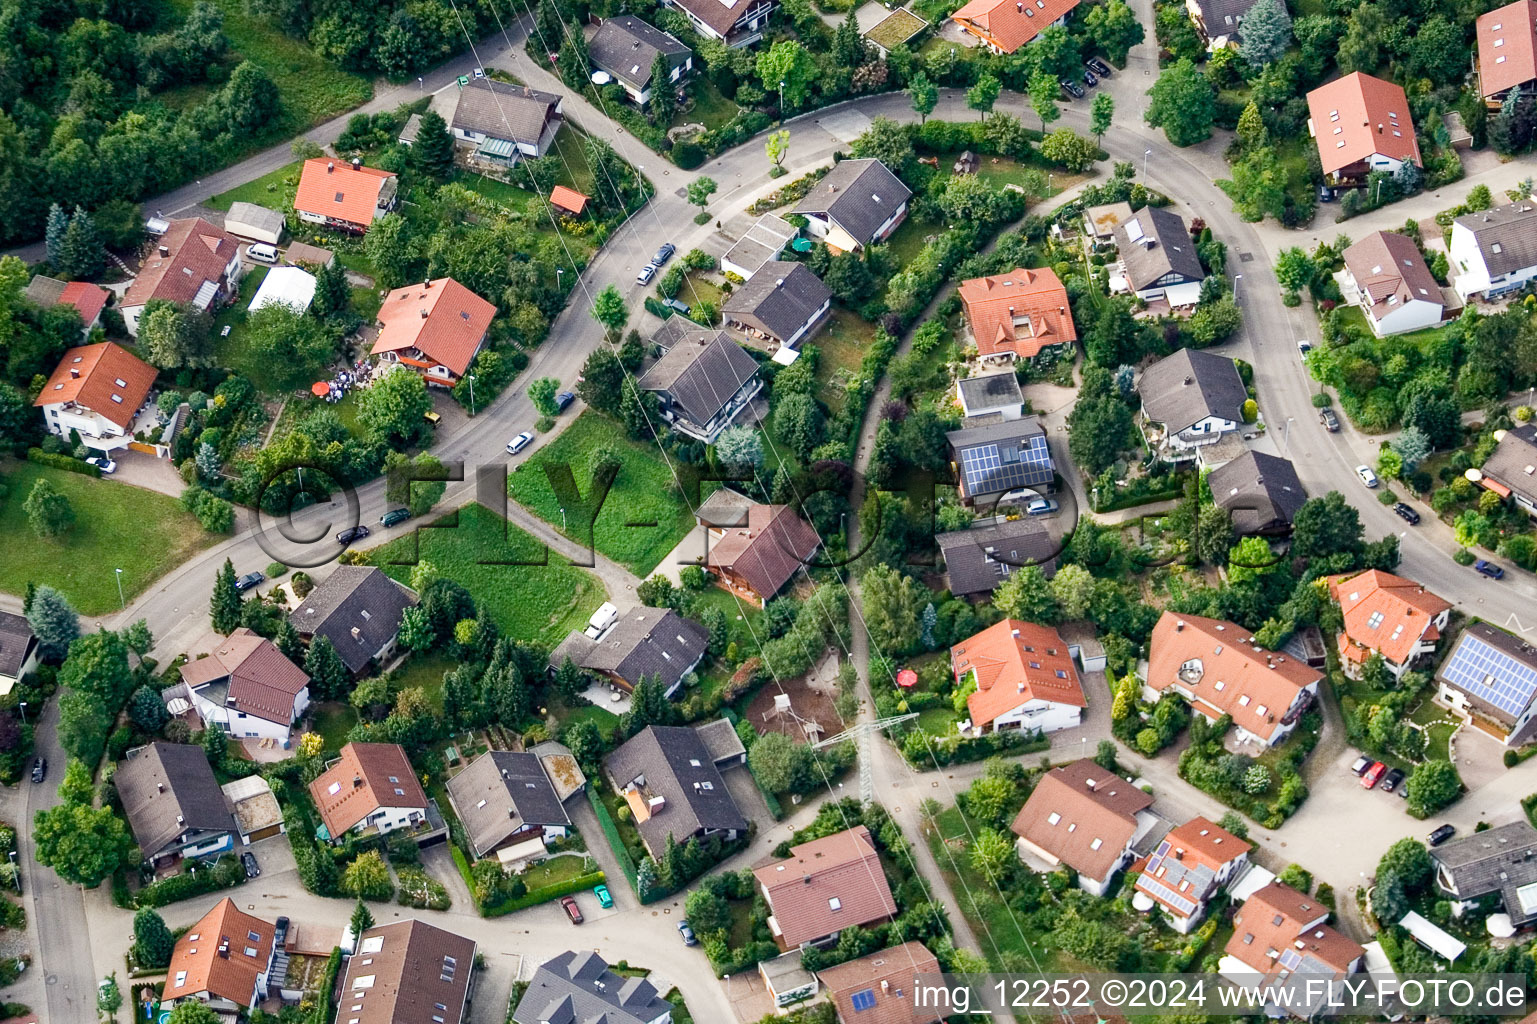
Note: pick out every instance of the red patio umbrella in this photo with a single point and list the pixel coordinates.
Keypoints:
(907, 677)
(321, 388)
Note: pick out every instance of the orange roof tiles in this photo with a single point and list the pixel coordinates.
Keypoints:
(1082, 815)
(1230, 672)
(262, 682)
(1357, 116)
(1196, 842)
(890, 976)
(88, 298)
(105, 378)
(1016, 662)
(1386, 613)
(219, 956)
(1278, 918)
(1022, 312)
(569, 199)
(1507, 47)
(336, 189)
(826, 885)
(1010, 24)
(366, 777)
(441, 319)
(197, 253)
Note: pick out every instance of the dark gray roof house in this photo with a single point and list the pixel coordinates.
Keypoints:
(998, 457)
(173, 802)
(578, 988)
(644, 642)
(1190, 386)
(18, 649)
(1506, 236)
(503, 795)
(1502, 859)
(782, 302)
(1260, 492)
(671, 782)
(860, 198)
(703, 382)
(626, 48)
(1156, 250)
(991, 394)
(358, 608)
(500, 110)
(1513, 465)
(978, 559)
(1219, 18)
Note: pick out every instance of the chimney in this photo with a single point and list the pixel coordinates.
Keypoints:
(1189, 380)
(1089, 783)
(165, 251)
(330, 166)
(806, 879)
(1179, 625)
(357, 634)
(74, 373)
(180, 820)
(224, 948)
(159, 787)
(357, 164)
(426, 285)
(1020, 7)
(779, 283)
(885, 986)
(1379, 127)
(424, 312)
(357, 782)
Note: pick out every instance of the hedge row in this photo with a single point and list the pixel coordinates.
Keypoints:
(322, 1012)
(615, 840)
(225, 874)
(534, 897)
(65, 462)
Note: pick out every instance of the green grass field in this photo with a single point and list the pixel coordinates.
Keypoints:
(333, 720)
(311, 89)
(117, 526)
(640, 495)
(274, 190)
(842, 344)
(529, 602)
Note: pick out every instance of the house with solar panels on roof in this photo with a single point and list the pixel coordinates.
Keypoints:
(1280, 933)
(1492, 675)
(1190, 866)
(996, 458)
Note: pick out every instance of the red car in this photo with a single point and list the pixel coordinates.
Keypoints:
(1369, 780)
(573, 911)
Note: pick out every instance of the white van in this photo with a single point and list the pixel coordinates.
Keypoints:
(604, 617)
(261, 252)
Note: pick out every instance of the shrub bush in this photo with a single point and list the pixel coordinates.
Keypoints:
(64, 462)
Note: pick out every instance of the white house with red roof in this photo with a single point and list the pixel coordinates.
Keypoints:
(1021, 676)
(224, 961)
(1361, 124)
(1507, 50)
(1387, 615)
(1004, 26)
(1220, 670)
(247, 688)
(345, 196)
(88, 299)
(1279, 932)
(1190, 866)
(825, 886)
(194, 264)
(435, 328)
(97, 390)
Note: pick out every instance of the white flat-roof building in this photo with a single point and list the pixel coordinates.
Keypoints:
(287, 286)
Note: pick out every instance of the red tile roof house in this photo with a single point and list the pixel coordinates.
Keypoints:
(825, 886)
(1021, 676)
(1191, 864)
(759, 556)
(88, 299)
(97, 390)
(1387, 615)
(436, 328)
(247, 688)
(345, 196)
(1507, 51)
(1023, 314)
(1361, 124)
(1006, 25)
(224, 961)
(1387, 277)
(194, 263)
(878, 989)
(735, 23)
(1085, 819)
(370, 789)
(1220, 670)
(1279, 932)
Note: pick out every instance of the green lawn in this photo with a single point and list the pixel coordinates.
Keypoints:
(496, 190)
(528, 601)
(310, 89)
(117, 526)
(711, 107)
(1421, 340)
(603, 718)
(234, 349)
(554, 871)
(425, 672)
(911, 238)
(333, 720)
(842, 344)
(274, 190)
(641, 519)
(939, 722)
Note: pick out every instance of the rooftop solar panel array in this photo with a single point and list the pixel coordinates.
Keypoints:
(994, 468)
(1491, 675)
(1181, 884)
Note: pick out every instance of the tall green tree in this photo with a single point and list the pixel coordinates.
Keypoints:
(152, 940)
(333, 294)
(81, 254)
(787, 69)
(1026, 594)
(574, 64)
(392, 409)
(608, 309)
(83, 844)
(57, 226)
(984, 94)
(329, 678)
(663, 102)
(1183, 104)
(892, 603)
(54, 622)
(432, 153)
(224, 605)
(295, 349)
(98, 665)
(1267, 32)
(1101, 111)
(1114, 26)
(1043, 97)
(49, 512)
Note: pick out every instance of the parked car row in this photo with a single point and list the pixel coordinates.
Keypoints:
(1093, 70)
(657, 263)
(1376, 775)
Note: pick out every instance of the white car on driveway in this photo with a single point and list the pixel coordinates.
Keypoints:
(101, 462)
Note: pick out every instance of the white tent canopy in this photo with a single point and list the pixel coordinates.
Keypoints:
(1432, 937)
(289, 286)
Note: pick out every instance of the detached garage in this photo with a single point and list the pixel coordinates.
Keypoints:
(254, 223)
(256, 811)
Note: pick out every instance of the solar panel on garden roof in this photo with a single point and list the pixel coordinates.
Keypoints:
(1491, 675)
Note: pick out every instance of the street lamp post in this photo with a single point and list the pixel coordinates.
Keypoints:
(421, 84)
(15, 872)
(121, 604)
(1286, 436)
(23, 712)
(471, 379)
(562, 517)
(781, 99)
(1145, 154)
(1236, 279)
